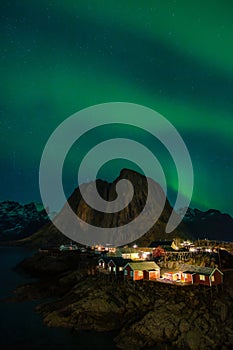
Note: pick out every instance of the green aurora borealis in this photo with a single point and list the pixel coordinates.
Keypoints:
(175, 57)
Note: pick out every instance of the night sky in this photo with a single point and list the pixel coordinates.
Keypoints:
(175, 57)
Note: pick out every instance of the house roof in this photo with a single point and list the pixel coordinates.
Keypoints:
(129, 250)
(119, 261)
(160, 243)
(118, 252)
(106, 259)
(143, 265)
(144, 249)
(208, 271)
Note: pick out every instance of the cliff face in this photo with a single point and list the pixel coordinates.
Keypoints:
(50, 235)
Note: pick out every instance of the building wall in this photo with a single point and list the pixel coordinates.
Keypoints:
(133, 275)
(138, 275)
(115, 269)
(132, 256)
(151, 275)
(102, 264)
(156, 274)
(186, 277)
(175, 276)
(205, 280)
(111, 266)
(168, 276)
(171, 276)
(128, 270)
(208, 281)
(218, 278)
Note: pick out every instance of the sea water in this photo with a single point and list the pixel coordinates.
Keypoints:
(22, 328)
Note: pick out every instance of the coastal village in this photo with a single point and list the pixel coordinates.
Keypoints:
(163, 261)
(172, 262)
(171, 294)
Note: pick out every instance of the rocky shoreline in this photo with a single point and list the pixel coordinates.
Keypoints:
(149, 315)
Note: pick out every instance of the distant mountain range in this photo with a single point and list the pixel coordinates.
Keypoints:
(17, 221)
(210, 224)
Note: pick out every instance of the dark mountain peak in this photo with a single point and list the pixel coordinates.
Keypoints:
(128, 173)
(213, 212)
(196, 223)
(131, 210)
(30, 206)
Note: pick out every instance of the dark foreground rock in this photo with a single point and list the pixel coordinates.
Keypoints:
(181, 318)
(149, 315)
(46, 265)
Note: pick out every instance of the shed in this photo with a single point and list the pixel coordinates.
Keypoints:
(208, 276)
(141, 270)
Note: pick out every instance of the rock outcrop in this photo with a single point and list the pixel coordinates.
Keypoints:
(155, 315)
(149, 315)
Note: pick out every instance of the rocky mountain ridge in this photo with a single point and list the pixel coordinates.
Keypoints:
(50, 234)
(18, 221)
(210, 224)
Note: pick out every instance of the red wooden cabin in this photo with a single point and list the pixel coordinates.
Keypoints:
(141, 270)
(208, 276)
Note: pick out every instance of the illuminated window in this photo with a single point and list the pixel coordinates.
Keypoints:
(202, 277)
(114, 268)
(131, 273)
(120, 268)
(140, 273)
(125, 272)
(212, 278)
